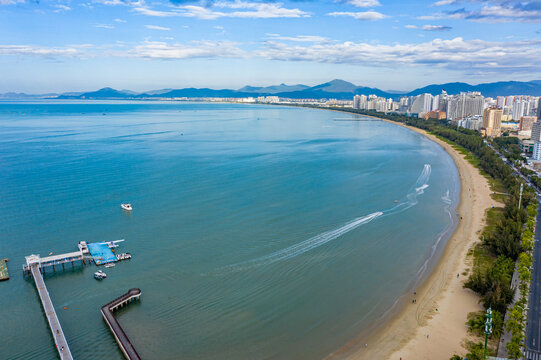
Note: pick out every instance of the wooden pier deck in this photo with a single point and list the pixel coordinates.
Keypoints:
(50, 313)
(121, 338)
(4, 274)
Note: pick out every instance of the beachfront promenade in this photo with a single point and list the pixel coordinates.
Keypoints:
(50, 313)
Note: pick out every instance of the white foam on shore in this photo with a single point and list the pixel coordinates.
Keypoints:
(295, 250)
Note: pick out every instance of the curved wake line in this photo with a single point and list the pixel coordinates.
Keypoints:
(295, 250)
(305, 245)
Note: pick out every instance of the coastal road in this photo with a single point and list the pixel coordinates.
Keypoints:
(532, 349)
(533, 329)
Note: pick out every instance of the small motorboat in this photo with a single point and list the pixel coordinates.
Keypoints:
(100, 275)
(123, 256)
(109, 265)
(126, 207)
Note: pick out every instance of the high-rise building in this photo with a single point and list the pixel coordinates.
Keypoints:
(443, 98)
(539, 109)
(526, 123)
(465, 104)
(536, 137)
(492, 120)
(518, 109)
(357, 102)
(422, 104)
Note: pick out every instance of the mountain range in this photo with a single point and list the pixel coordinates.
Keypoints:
(335, 89)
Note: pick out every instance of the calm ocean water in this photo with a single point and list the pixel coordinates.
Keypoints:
(258, 232)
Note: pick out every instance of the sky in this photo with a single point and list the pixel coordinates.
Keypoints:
(59, 46)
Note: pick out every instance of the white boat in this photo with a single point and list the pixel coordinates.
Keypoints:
(126, 207)
(123, 256)
(100, 275)
(109, 265)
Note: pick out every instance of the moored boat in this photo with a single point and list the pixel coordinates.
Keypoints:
(126, 207)
(100, 275)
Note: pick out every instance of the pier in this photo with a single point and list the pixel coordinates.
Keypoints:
(35, 266)
(50, 313)
(121, 338)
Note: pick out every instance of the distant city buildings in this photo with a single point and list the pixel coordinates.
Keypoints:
(268, 99)
(465, 104)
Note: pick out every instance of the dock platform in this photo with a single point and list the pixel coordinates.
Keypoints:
(121, 338)
(4, 274)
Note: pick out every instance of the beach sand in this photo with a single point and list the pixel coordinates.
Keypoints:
(418, 331)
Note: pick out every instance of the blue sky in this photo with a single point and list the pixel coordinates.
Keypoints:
(53, 46)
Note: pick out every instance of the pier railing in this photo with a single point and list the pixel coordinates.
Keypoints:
(120, 336)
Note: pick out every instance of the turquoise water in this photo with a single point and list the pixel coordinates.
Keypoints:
(258, 232)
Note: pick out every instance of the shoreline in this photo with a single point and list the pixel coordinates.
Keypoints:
(435, 326)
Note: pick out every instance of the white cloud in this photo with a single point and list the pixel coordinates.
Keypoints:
(508, 11)
(366, 15)
(104, 26)
(243, 9)
(436, 28)
(444, 2)
(411, 27)
(197, 49)
(364, 3)
(298, 38)
(456, 54)
(120, 20)
(11, 2)
(120, 2)
(155, 27)
(61, 7)
(47, 52)
(150, 12)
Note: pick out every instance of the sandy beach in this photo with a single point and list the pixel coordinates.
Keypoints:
(434, 327)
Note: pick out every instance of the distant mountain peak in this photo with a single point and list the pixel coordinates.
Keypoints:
(336, 85)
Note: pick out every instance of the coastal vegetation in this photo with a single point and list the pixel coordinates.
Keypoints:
(517, 314)
(506, 241)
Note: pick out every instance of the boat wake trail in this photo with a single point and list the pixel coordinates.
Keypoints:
(411, 198)
(295, 250)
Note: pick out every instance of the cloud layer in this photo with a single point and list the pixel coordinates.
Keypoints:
(227, 9)
(478, 56)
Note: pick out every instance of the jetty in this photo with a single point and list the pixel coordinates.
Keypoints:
(99, 253)
(120, 336)
(4, 274)
(33, 262)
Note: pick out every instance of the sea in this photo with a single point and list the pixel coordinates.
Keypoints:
(257, 231)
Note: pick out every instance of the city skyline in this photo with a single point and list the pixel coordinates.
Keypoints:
(141, 45)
